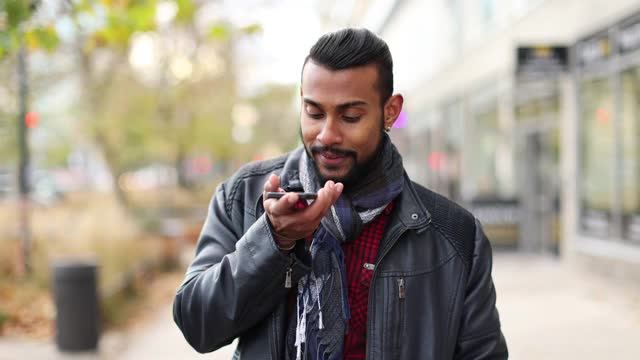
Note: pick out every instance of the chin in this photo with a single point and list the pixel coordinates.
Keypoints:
(335, 176)
(347, 177)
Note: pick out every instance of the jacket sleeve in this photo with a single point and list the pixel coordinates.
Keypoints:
(480, 336)
(235, 280)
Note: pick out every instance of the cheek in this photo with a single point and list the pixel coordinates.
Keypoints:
(366, 140)
(309, 132)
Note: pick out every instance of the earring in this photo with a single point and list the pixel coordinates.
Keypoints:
(387, 129)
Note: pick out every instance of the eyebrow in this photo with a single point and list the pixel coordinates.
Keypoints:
(340, 107)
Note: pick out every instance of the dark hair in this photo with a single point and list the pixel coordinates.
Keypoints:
(351, 47)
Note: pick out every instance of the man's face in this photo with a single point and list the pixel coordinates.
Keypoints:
(341, 119)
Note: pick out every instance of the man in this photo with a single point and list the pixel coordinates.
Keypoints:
(375, 267)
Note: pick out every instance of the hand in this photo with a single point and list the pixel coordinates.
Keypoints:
(290, 224)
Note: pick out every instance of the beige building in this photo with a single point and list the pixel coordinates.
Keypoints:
(527, 112)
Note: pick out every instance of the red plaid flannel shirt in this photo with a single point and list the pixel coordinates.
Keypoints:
(358, 253)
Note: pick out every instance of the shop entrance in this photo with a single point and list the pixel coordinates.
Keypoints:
(538, 168)
(540, 193)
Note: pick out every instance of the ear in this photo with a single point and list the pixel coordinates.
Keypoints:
(392, 110)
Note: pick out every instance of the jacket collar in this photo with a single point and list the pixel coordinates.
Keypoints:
(409, 209)
(290, 174)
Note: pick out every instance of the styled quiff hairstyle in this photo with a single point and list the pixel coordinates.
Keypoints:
(351, 47)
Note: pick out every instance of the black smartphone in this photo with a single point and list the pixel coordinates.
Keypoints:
(302, 195)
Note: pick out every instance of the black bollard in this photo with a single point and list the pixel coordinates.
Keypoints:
(77, 309)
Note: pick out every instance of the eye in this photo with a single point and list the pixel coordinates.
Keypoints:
(313, 112)
(350, 118)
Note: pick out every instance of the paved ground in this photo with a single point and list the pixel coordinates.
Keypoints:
(161, 339)
(548, 312)
(551, 312)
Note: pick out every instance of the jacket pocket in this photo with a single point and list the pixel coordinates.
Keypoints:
(394, 336)
(358, 300)
(401, 294)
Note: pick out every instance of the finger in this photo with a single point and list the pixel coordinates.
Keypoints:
(272, 184)
(275, 180)
(321, 200)
(284, 205)
(335, 189)
(321, 204)
(330, 191)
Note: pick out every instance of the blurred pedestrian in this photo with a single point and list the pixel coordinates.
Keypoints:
(375, 267)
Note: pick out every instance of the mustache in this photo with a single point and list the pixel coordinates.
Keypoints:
(316, 149)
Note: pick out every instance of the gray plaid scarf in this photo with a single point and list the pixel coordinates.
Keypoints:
(322, 312)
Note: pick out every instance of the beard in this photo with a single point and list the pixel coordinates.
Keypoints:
(356, 173)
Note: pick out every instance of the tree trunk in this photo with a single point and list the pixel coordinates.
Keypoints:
(183, 182)
(94, 107)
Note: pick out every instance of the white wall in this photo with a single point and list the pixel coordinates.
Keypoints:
(430, 67)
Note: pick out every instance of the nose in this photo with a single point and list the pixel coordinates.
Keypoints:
(330, 133)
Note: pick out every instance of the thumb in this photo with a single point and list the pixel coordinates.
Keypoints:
(272, 184)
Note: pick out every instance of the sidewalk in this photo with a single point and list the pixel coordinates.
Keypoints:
(548, 311)
(161, 339)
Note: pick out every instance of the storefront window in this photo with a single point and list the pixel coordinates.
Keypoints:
(597, 163)
(491, 160)
(538, 162)
(451, 166)
(538, 109)
(417, 145)
(492, 166)
(631, 153)
(544, 111)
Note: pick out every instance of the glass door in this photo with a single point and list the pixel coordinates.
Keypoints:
(539, 173)
(597, 160)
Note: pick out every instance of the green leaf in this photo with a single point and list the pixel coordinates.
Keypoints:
(142, 16)
(7, 42)
(124, 18)
(42, 38)
(83, 6)
(117, 32)
(17, 12)
(220, 32)
(252, 29)
(186, 10)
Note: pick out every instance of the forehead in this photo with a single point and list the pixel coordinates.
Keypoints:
(329, 87)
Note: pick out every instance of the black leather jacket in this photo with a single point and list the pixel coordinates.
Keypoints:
(427, 300)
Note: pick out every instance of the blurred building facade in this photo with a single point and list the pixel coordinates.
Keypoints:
(528, 113)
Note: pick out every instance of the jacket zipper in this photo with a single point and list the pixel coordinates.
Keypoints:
(402, 291)
(385, 250)
(275, 335)
(287, 278)
(274, 320)
(402, 294)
